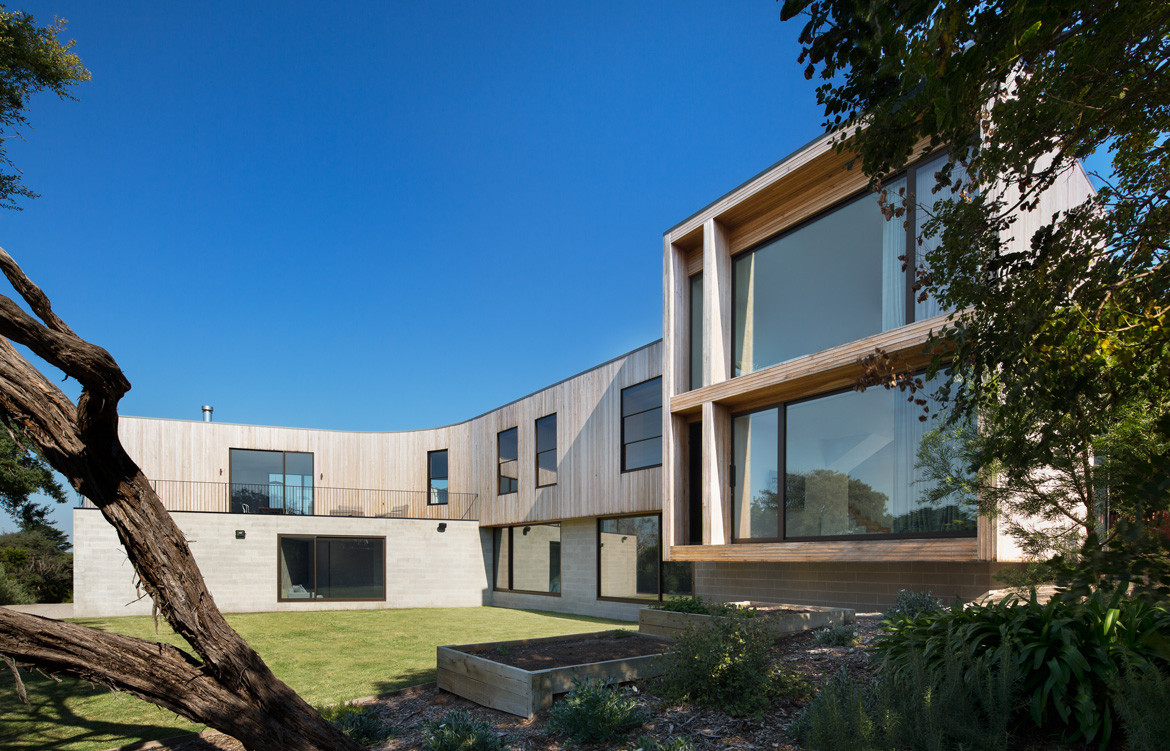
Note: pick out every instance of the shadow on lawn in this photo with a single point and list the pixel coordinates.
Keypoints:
(404, 680)
(49, 705)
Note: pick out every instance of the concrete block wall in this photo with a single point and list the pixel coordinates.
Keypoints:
(578, 579)
(866, 587)
(424, 567)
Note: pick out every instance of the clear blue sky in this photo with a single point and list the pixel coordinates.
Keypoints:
(385, 216)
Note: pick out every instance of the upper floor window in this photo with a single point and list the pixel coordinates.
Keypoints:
(509, 461)
(642, 425)
(834, 279)
(437, 478)
(696, 329)
(271, 482)
(546, 451)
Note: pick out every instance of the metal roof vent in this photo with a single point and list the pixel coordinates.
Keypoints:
(207, 410)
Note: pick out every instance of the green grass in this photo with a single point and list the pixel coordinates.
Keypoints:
(327, 657)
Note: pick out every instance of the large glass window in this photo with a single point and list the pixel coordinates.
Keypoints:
(332, 568)
(642, 425)
(509, 455)
(528, 558)
(834, 279)
(629, 561)
(271, 482)
(849, 466)
(546, 451)
(437, 478)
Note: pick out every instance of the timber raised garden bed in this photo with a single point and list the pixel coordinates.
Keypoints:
(522, 676)
(784, 619)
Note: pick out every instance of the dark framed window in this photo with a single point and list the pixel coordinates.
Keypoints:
(630, 565)
(849, 463)
(330, 568)
(528, 558)
(642, 425)
(696, 329)
(508, 451)
(546, 451)
(270, 482)
(840, 274)
(437, 478)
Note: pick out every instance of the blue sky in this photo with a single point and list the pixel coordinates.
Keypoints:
(386, 216)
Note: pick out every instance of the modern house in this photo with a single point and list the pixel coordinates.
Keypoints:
(732, 459)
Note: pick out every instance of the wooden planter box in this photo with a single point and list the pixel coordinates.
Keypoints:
(669, 624)
(525, 692)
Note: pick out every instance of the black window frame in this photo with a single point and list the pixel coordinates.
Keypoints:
(511, 554)
(781, 484)
(537, 452)
(433, 492)
(284, 482)
(623, 417)
(314, 538)
(661, 562)
(500, 461)
(911, 258)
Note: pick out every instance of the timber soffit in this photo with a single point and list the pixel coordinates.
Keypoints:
(818, 146)
(608, 362)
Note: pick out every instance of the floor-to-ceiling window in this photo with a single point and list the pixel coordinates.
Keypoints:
(528, 558)
(629, 561)
(332, 568)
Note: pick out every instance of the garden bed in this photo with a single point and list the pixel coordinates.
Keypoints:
(783, 618)
(522, 676)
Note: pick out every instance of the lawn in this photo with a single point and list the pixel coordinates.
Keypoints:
(327, 657)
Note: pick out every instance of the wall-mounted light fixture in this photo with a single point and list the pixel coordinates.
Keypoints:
(241, 534)
(442, 526)
(527, 530)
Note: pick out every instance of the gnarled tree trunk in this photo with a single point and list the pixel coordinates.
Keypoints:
(228, 687)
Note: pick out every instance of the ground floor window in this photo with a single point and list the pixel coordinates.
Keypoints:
(332, 568)
(630, 565)
(528, 558)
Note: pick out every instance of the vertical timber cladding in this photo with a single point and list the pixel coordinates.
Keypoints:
(589, 479)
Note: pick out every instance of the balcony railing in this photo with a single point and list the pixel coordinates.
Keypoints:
(275, 498)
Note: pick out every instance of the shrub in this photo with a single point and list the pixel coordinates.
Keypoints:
(12, 592)
(968, 706)
(697, 606)
(911, 603)
(725, 664)
(1069, 653)
(456, 731)
(1142, 699)
(362, 723)
(594, 712)
(35, 562)
(840, 635)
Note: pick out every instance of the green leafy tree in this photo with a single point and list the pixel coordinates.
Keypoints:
(1060, 344)
(23, 473)
(32, 60)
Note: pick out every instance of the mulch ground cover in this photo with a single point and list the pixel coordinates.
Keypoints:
(411, 710)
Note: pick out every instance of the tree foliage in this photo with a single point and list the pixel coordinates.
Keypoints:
(32, 60)
(1060, 344)
(23, 472)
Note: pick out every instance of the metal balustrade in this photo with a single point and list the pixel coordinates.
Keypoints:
(275, 498)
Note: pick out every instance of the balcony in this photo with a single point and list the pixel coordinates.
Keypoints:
(278, 499)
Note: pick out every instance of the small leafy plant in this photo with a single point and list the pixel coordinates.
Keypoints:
(910, 603)
(840, 635)
(457, 731)
(362, 723)
(594, 712)
(677, 743)
(726, 665)
(696, 606)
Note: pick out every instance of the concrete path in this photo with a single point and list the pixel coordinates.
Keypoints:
(46, 609)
